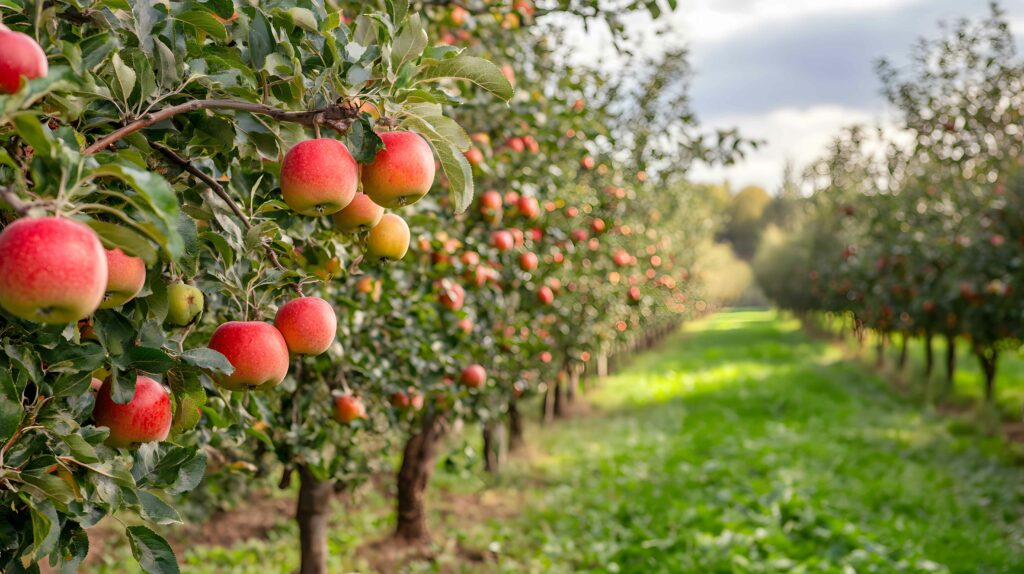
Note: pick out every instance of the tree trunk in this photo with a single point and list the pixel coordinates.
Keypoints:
(880, 349)
(515, 426)
(573, 385)
(417, 465)
(602, 365)
(950, 361)
(547, 405)
(558, 408)
(988, 358)
(905, 338)
(929, 356)
(494, 446)
(312, 513)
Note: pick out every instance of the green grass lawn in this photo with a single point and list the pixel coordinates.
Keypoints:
(741, 445)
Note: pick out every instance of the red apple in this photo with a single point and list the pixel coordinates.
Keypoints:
(528, 261)
(145, 418)
(529, 207)
(319, 177)
(308, 325)
(402, 172)
(348, 408)
(474, 376)
(125, 277)
(465, 325)
(545, 295)
(361, 214)
(452, 295)
(256, 350)
(20, 56)
(52, 270)
(503, 240)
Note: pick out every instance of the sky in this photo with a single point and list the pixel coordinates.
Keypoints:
(790, 72)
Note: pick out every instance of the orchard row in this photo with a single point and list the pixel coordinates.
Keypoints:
(922, 241)
(212, 269)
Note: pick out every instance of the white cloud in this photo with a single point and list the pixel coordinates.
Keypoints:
(791, 134)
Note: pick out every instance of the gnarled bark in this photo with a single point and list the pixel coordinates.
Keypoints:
(418, 459)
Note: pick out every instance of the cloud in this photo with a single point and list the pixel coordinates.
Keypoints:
(798, 135)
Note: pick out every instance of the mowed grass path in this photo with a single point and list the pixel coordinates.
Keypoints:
(743, 446)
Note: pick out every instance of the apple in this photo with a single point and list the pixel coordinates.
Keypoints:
(491, 205)
(474, 376)
(518, 237)
(470, 258)
(474, 156)
(20, 56)
(579, 235)
(536, 234)
(319, 177)
(389, 239)
(184, 304)
(465, 325)
(126, 276)
(145, 418)
(95, 384)
(528, 261)
(348, 408)
(402, 172)
(308, 325)
(529, 207)
(571, 212)
(634, 294)
(531, 144)
(52, 270)
(509, 73)
(545, 295)
(368, 107)
(587, 163)
(516, 144)
(597, 225)
(545, 357)
(452, 295)
(256, 350)
(359, 215)
(503, 240)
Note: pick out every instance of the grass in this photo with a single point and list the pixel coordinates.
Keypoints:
(740, 446)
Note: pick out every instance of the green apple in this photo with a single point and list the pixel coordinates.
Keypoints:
(184, 304)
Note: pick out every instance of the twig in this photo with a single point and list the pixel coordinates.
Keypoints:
(219, 190)
(338, 117)
(20, 206)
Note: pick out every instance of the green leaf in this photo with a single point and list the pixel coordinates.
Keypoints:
(124, 78)
(75, 545)
(45, 527)
(409, 44)
(149, 360)
(130, 241)
(49, 485)
(261, 40)
(477, 70)
(204, 21)
(208, 359)
(160, 197)
(364, 143)
(459, 173)
(81, 450)
(154, 509)
(167, 65)
(11, 413)
(122, 387)
(398, 9)
(72, 384)
(152, 552)
(31, 130)
(190, 475)
(450, 130)
(28, 360)
(304, 19)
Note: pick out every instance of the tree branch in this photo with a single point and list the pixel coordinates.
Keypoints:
(338, 117)
(20, 206)
(217, 189)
